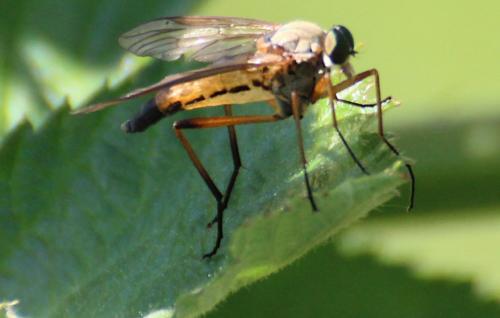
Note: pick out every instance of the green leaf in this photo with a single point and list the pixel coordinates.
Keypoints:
(97, 223)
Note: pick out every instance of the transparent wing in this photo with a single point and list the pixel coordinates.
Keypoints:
(204, 39)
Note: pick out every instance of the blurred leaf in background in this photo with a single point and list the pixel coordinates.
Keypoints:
(429, 244)
(326, 284)
(57, 52)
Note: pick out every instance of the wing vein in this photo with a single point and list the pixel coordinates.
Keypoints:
(204, 39)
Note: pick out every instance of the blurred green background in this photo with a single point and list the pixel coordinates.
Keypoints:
(440, 59)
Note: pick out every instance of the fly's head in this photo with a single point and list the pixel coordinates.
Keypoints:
(338, 48)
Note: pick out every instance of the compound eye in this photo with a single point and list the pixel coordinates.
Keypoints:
(345, 34)
(339, 43)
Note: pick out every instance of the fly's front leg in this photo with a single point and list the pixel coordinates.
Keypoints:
(374, 72)
(296, 117)
(212, 122)
(357, 78)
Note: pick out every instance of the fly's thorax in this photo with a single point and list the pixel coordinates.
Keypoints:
(298, 37)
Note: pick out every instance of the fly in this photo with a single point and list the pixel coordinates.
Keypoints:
(286, 65)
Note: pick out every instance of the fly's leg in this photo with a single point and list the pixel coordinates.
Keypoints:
(332, 98)
(212, 122)
(374, 72)
(357, 78)
(300, 141)
(368, 105)
(235, 152)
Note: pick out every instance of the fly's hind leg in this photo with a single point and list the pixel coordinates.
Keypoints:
(235, 152)
(212, 122)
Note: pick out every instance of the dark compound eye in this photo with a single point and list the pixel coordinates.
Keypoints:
(344, 45)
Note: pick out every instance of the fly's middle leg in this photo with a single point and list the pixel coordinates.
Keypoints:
(296, 116)
(357, 78)
(332, 98)
(363, 105)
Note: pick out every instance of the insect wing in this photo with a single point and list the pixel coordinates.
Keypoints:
(204, 39)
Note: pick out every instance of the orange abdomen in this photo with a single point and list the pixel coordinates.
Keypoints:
(237, 87)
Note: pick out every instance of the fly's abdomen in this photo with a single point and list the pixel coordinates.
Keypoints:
(237, 87)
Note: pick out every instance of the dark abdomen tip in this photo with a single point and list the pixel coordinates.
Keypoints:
(149, 115)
